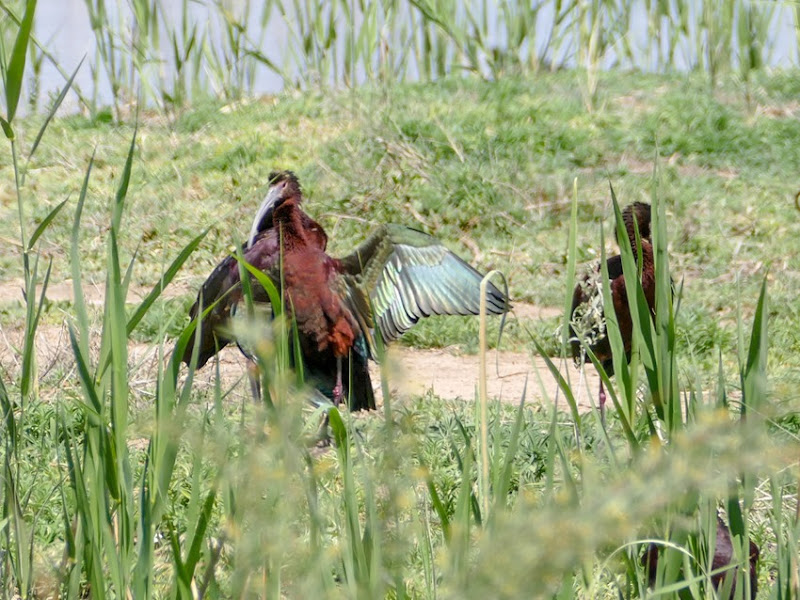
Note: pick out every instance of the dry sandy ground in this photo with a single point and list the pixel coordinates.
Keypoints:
(410, 371)
(509, 375)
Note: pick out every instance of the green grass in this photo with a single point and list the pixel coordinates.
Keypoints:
(396, 510)
(495, 173)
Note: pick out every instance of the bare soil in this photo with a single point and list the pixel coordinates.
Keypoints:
(509, 375)
(410, 371)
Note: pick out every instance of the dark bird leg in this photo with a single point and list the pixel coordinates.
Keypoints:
(601, 397)
(254, 375)
(338, 389)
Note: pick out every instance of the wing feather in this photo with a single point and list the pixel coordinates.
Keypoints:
(400, 275)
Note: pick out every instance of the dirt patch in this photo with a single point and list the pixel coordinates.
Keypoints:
(779, 111)
(508, 376)
(413, 372)
(410, 371)
(523, 310)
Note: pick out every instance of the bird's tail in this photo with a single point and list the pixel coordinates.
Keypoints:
(360, 394)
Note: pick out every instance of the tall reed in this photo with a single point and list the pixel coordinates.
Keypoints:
(226, 48)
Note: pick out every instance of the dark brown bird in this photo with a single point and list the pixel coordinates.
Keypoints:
(397, 276)
(723, 557)
(224, 279)
(587, 320)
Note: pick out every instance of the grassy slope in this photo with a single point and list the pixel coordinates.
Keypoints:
(488, 167)
(483, 166)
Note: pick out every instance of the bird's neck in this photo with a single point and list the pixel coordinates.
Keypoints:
(647, 251)
(287, 214)
(631, 227)
(288, 218)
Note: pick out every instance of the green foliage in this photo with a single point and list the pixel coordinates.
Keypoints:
(710, 129)
(229, 500)
(163, 482)
(241, 156)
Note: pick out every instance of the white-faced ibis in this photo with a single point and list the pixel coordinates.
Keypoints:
(224, 279)
(723, 557)
(394, 278)
(587, 320)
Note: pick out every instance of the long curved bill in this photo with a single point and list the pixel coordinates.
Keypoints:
(266, 206)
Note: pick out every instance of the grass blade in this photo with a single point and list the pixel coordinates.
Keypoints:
(572, 250)
(503, 483)
(53, 109)
(198, 536)
(44, 224)
(438, 506)
(754, 376)
(166, 279)
(562, 383)
(122, 190)
(79, 301)
(86, 379)
(16, 66)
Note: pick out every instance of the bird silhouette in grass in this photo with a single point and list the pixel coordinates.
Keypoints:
(587, 316)
(722, 578)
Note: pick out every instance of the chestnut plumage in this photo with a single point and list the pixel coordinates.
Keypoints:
(223, 282)
(587, 318)
(394, 278)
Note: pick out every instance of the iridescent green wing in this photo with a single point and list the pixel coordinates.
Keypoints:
(399, 275)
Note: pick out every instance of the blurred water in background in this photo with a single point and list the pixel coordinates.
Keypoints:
(282, 40)
(64, 28)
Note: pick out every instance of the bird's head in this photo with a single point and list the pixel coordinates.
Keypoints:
(638, 212)
(283, 186)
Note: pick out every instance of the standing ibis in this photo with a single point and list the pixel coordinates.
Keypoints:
(394, 278)
(223, 283)
(587, 321)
